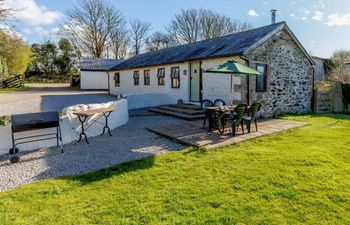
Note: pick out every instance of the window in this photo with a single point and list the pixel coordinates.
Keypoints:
(175, 77)
(161, 76)
(146, 74)
(136, 78)
(261, 79)
(117, 79)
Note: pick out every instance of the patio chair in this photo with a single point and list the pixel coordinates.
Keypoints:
(204, 104)
(237, 118)
(219, 102)
(252, 112)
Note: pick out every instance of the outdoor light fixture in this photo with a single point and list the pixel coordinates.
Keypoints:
(184, 72)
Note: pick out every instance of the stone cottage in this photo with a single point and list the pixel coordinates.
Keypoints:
(165, 76)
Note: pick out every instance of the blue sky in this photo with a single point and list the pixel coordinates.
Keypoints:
(321, 25)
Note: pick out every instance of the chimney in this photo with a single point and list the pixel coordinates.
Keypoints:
(273, 16)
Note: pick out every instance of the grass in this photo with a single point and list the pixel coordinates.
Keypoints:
(11, 90)
(301, 176)
(74, 88)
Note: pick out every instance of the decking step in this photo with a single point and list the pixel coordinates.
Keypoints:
(176, 114)
(181, 110)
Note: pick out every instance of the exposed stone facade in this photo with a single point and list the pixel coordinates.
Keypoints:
(289, 76)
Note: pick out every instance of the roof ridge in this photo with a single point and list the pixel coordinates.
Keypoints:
(189, 44)
(231, 44)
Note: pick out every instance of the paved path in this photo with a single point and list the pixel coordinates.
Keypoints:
(48, 97)
(129, 142)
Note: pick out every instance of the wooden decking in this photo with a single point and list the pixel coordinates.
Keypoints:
(191, 133)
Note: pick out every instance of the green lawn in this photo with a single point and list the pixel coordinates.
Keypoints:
(10, 90)
(301, 176)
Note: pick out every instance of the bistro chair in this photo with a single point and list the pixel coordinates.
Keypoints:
(252, 112)
(219, 102)
(204, 104)
(237, 118)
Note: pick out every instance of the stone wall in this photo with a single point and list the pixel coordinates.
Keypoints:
(289, 76)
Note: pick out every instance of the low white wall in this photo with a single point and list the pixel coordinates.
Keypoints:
(93, 80)
(70, 128)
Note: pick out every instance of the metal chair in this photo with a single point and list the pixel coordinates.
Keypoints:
(237, 118)
(204, 104)
(219, 102)
(252, 112)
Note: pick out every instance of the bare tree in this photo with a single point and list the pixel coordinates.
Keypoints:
(186, 26)
(340, 66)
(214, 25)
(120, 46)
(120, 41)
(159, 41)
(139, 32)
(6, 14)
(193, 25)
(89, 26)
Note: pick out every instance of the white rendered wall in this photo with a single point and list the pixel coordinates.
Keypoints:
(93, 80)
(142, 96)
(217, 86)
(70, 128)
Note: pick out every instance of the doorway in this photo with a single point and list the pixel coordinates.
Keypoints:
(196, 81)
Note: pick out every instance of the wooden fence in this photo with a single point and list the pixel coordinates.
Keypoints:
(329, 98)
(13, 82)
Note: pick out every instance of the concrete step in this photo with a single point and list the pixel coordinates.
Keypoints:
(181, 110)
(186, 106)
(177, 114)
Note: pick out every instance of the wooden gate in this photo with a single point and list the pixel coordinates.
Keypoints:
(323, 100)
(328, 98)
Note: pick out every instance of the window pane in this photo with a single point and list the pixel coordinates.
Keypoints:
(116, 79)
(261, 79)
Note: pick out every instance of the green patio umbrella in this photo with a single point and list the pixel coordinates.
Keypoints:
(233, 67)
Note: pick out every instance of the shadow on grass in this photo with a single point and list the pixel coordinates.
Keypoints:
(113, 171)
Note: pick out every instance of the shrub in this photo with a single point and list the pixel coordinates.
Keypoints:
(4, 120)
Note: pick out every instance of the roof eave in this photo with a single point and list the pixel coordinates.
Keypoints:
(175, 62)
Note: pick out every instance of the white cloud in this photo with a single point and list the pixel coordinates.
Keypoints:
(53, 34)
(253, 13)
(304, 18)
(318, 16)
(312, 41)
(338, 20)
(29, 12)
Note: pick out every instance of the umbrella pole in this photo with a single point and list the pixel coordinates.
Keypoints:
(231, 103)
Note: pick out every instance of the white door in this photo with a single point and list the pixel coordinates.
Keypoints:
(195, 82)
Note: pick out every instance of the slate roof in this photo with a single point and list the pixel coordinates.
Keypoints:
(233, 44)
(97, 64)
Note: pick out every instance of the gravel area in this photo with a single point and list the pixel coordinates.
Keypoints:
(48, 98)
(129, 142)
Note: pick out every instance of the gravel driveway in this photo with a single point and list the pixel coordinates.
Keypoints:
(48, 97)
(129, 142)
